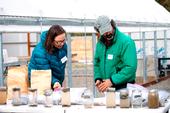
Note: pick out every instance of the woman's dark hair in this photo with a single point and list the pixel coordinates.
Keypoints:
(54, 31)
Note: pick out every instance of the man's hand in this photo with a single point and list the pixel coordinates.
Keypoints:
(98, 82)
(104, 85)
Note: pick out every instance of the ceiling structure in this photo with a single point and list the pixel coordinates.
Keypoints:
(77, 14)
(164, 3)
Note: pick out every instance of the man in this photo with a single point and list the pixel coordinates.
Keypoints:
(115, 59)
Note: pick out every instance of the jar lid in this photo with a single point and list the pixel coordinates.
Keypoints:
(32, 89)
(16, 89)
(48, 92)
(3, 88)
(110, 90)
(124, 91)
(86, 96)
(153, 90)
(66, 89)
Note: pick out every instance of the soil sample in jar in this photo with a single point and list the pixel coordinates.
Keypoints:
(88, 99)
(48, 98)
(33, 97)
(153, 99)
(65, 97)
(136, 98)
(3, 95)
(16, 97)
(124, 98)
(110, 98)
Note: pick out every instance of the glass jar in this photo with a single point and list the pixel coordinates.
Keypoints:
(124, 98)
(65, 97)
(153, 99)
(3, 95)
(56, 97)
(136, 99)
(110, 98)
(88, 99)
(48, 98)
(16, 96)
(33, 97)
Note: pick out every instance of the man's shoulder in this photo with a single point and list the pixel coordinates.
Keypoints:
(124, 38)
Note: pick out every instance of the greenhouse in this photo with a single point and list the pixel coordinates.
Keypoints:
(21, 26)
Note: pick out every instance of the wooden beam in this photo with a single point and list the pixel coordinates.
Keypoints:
(155, 81)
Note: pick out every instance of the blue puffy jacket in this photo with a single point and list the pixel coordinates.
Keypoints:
(42, 60)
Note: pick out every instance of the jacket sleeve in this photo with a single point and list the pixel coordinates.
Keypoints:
(57, 78)
(54, 80)
(128, 69)
(97, 74)
(58, 67)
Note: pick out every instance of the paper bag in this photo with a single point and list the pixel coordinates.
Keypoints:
(41, 80)
(17, 77)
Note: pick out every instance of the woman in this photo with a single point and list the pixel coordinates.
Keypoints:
(51, 53)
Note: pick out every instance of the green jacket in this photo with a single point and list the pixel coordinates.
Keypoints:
(118, 62)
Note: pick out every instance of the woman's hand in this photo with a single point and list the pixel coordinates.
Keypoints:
(56, 86)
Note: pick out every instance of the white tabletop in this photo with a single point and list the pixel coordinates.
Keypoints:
(103, 109)
(79, 109)
(28, 109)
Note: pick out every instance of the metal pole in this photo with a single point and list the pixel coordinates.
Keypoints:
(1, 61)
(165, 54)
(155, 55)
(41, 19)
(41, 24)
(69, 62)
(165, 43)
(94, 48)
(85, 54)
(144, 58)
(28, 43)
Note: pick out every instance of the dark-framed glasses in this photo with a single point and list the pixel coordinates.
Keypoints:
(59, 42)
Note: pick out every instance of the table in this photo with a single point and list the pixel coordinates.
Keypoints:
(103, 109)
(27, 109)
(8, 108)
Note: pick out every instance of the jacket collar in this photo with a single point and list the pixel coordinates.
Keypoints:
(115, 35)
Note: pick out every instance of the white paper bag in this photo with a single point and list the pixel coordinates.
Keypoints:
(41, 80)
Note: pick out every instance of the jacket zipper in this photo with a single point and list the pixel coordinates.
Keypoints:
(105, 62)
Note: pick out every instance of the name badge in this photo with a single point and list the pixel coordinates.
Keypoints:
(110, 57)
(64, 59)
